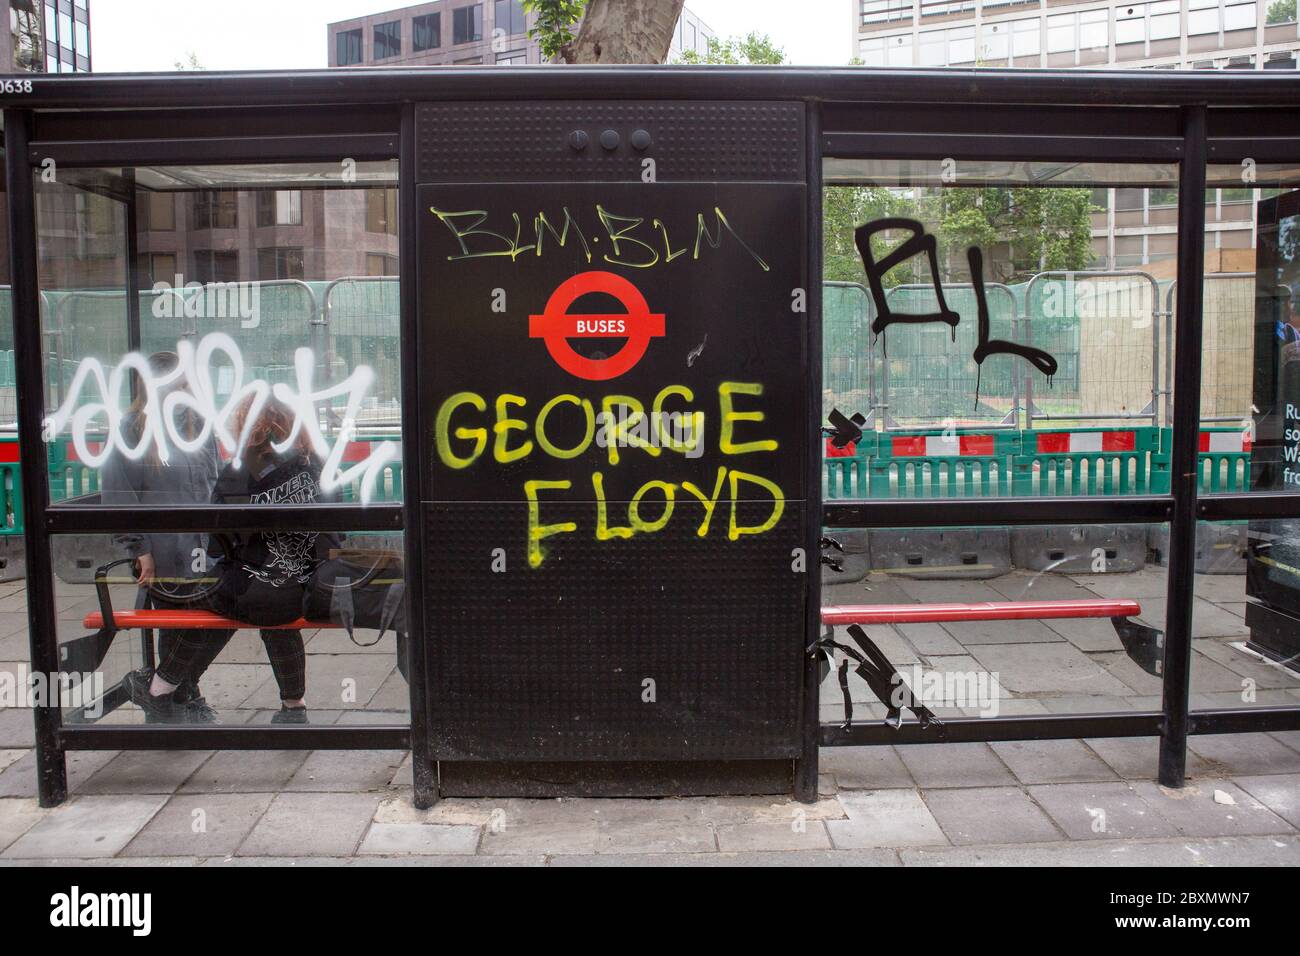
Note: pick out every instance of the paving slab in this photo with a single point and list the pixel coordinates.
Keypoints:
(1249, 851)
(146, 771)
(1038, 586)
(17, 816)
(1008, 707)
(86, 827)
(968, 633)
(864, 768)
(1052, 761)
(196, 825)
(1280, 793)
(8, 757)
(788, 858)
(930, 639)
(1087, 633)
(653, 836)
(1195, 812)
(421, 839)
(934, 766)
(1101, 811)
(334, 681)
(1143, 585)
(1233, 655)
(791, 835)
(1238, 754)
(347, 770)
(1207, 675)
(16, 728)
(884, 818)
(1046, 669)
(245, 771)
(984, 815)
(1138, 758)
(1087, 704)
(312, 824)
(528, 837)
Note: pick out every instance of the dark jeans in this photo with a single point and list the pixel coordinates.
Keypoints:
(185, 655)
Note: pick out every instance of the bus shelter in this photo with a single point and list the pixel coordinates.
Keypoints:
(641, 431)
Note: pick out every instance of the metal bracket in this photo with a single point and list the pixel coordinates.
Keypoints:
(1144, 645)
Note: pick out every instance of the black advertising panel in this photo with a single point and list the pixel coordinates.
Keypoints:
(1273, 565)
(614, 451)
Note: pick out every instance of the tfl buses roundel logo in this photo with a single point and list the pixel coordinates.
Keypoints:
(637, 325)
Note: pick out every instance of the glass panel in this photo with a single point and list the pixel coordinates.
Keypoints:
(1002, 668)
(467, 24)
(257, 346)
(1065, 402)
(1250, 378)
(241, 676)
(1246, 617)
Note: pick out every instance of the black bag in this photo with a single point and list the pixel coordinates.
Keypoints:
(358, 589)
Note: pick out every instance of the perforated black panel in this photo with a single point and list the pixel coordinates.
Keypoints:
(689, 141)
(552, 663)
(567, 628)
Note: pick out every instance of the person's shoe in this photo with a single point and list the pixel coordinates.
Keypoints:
(161, 709)
(290, 715)
(199, 711)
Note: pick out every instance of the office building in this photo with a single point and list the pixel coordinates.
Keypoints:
(461, 32)
(47, 36)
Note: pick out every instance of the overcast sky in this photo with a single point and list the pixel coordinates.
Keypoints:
(131, 36)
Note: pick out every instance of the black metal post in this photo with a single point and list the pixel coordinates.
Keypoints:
(51, 771)
(426, 788)
(132, 263)
(805, 780)
(1183, 462)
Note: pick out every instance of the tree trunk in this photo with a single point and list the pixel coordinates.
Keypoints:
(625, 31)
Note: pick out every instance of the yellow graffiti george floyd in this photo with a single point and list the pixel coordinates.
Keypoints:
(463, 427)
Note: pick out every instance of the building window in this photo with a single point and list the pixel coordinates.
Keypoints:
(161, 267)
(1131, 24)
(215, 265)
(378, 264)
(216, 209)
(512, 58)
(1060, 33)
(995, 43)
(1238, 16)
(281, 262)
(426, 32)
(1025, 38)
(1093, 30)
(1202, 17)
(388, 39)
(159, 212)
(280, 207)
(882, 11)
(347, 47)
(381, 211)
(1164, 20)
(509, 16)
(467, 24)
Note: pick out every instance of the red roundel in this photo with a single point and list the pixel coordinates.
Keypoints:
(638, 325)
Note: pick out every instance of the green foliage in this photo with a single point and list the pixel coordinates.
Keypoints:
(1021, 230)
(553, 29)
(751, 50)
(1281, 11)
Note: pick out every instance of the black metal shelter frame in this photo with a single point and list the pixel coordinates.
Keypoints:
(1140, 116)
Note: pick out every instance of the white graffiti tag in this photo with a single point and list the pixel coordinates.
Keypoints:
(190, 387)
